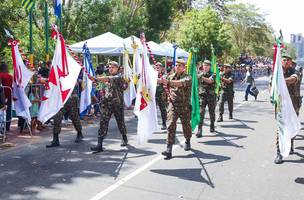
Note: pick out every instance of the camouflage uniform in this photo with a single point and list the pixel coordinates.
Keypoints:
(292, 90)
(161, 99)
(71, 108)
(112, 103)
(207, 96)
(298, 97)
(227, 94)
(179, 107)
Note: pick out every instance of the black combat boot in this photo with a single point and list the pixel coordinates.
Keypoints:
(187, 146)
(55, 142)
(230, 116)
(98, 147)
(168, 152)
(124, 141)
(164, 126)
(278, 159)
(212, 127)
(199, 133)
(220, 119)
(79, 137)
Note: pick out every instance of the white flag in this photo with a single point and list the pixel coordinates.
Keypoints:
(287, 120)
(145, 105)
(129, 93)
(22, 75)
(62, 79)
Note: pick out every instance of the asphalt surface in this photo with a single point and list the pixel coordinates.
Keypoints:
(235, 162)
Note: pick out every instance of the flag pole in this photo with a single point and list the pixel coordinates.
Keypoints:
(31, 36)
(46, 18)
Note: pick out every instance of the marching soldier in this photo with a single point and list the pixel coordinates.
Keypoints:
(71, 108)
(179, 84)
(161, 97)
(227, 94)
(291, 79)
(207, 96)
(112, 103)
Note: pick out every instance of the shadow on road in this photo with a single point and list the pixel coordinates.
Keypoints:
(194, 174)
(299, 180)
(227, 140)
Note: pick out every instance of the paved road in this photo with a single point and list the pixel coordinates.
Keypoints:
(236, 162)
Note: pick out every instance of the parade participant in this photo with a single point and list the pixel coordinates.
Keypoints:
(291, 78)
(179, 84)
(249, 80)
(207, 96)
(71, 107)
(7, 81)
(227, 93)
(112, 103)
(161, 96)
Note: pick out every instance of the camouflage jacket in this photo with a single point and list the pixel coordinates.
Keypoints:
(206, 89)
(227, 88)
(114, 89)
(292, 88)
(160, 94)
(180, 95)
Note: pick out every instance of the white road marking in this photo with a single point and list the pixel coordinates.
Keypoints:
(114, 186)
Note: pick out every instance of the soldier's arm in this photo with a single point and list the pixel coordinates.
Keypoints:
(208, 80)
(185, 82)
(227, 80)
(292, 79)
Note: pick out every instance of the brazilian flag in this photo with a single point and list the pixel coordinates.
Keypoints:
(28, 4)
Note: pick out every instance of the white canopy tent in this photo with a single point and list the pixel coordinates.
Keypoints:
(157, 49)
(105, 44)
(169, 48)
(129, 41)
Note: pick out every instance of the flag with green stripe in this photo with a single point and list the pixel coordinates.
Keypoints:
(28, 4)
(215, 70)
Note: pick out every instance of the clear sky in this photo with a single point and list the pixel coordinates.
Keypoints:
(287, 15)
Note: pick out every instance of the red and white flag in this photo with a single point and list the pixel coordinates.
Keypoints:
(22, 75)
(62, 79)
(145, 105)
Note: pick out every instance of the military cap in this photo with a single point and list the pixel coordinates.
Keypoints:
(227, 65)
(181, 61)
(113, 63)
(207, 62)
(294, 62)
(286, 55)
(159, 64)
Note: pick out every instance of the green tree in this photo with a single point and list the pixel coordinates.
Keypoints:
(201, 29)
(250, 32)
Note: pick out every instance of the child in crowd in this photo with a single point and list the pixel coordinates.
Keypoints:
(35, 100)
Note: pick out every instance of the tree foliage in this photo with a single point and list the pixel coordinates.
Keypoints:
(250, 32)
(201, 29)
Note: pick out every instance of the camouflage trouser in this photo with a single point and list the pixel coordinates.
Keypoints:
(71, 108)
(107, 109)
(184, 113)
(296, 102)
(211, 102)
(163, 109)
(226, 97)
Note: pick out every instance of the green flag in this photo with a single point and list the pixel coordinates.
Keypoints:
(195, 113)
(215, 69)
(28, 4)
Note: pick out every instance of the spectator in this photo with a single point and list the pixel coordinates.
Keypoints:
(7, 81)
